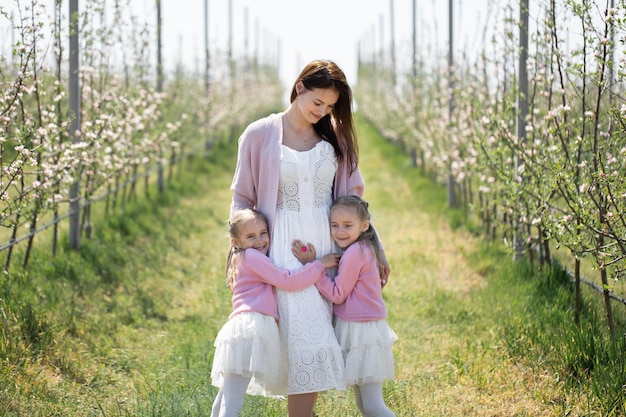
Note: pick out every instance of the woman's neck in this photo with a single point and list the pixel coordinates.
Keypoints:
(299, 139)
(296, 121)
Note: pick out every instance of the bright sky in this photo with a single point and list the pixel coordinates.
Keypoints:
(306, 30)
(294, 32)
(309, 30)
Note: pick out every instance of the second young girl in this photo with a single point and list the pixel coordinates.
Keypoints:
(361, 326)
(248, 354)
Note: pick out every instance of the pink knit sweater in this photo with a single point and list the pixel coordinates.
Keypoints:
(255, 183)
(356, 289)
(253, 286)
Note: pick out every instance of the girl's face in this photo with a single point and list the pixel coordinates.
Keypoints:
(253, 234)
(316, 103)
(346, 226)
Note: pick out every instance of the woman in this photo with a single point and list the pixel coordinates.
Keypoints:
(291, 166)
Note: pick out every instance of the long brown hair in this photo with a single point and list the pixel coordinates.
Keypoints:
(234, 226)
(337, 128)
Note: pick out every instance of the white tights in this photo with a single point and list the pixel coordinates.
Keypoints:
(229, 399)
(370, 401)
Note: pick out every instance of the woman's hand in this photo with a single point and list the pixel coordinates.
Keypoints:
(303, 253)
(384, 278)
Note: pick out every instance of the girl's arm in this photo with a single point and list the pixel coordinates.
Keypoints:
(339, 289)
(256, 264)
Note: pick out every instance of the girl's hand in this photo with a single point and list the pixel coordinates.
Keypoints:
(303, 253)
(330, 260)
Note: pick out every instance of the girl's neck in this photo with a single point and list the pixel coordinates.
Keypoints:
(351, 244)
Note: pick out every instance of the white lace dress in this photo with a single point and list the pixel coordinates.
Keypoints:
(315, 361)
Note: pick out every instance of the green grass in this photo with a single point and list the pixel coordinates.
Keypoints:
(124, 327)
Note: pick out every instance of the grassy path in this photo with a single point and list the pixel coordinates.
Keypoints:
(450, 361)
(144, 344)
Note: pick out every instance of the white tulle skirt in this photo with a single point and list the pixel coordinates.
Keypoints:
(366, 348)
(249, 345)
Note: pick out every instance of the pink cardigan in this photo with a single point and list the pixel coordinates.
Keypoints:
(253, 286)
(255, 183)
(356, 289)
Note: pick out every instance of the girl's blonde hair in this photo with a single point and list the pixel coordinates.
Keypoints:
(234, 226)
(369, 236)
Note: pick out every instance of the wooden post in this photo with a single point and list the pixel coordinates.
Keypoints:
(207, 53)
(159, 87)
(414, 55)
(451, 181)
(75, 124)
(522, 112)
(392, 30)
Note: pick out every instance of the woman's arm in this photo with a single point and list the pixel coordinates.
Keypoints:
(244, 194)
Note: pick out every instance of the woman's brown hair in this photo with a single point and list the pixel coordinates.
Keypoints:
(337, 128)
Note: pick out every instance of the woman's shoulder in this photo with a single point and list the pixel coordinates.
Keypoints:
(262, 124)
(257, 132)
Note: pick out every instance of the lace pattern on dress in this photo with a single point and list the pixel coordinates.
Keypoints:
(304, 197)
(323, 174)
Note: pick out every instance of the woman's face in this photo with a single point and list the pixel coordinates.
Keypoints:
(316, 103)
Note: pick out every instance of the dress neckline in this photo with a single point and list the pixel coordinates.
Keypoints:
(308, 150)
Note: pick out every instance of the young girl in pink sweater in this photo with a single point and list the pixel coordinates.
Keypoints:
(248, 354)
(361, 326)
